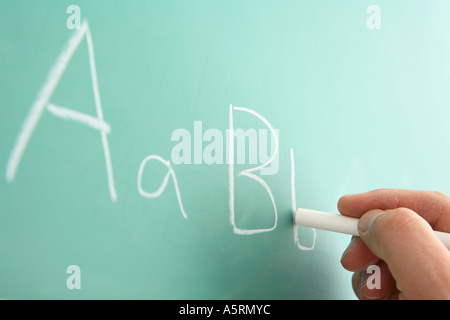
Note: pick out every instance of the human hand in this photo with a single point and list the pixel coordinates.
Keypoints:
(395, 234)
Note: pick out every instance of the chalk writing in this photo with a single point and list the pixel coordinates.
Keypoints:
(248, 172)
(162, 187)
(42, 101)
(294, 208)
(181, 153)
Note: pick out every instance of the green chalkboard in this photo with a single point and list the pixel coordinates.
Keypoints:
(149, 147)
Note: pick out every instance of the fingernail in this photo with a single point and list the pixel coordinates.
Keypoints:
(366, 221)
(362, 280)
(350, 245)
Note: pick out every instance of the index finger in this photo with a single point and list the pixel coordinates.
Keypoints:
(433, 206)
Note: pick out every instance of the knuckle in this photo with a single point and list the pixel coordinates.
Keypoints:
(400, 217)
(394, 222)
(387, 195)
(441, 195)
(390, 228)
(381, 192)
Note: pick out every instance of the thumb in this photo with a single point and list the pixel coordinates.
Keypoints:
(418, 261)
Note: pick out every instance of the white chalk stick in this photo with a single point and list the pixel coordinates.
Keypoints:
(342, 224)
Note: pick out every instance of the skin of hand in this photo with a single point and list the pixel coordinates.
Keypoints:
(396, 233)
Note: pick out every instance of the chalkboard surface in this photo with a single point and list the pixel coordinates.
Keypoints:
(156, 149)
